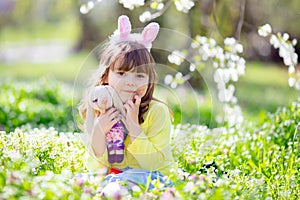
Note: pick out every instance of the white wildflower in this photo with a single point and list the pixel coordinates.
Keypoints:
(189, 187)
(14, 155)
(111, 190)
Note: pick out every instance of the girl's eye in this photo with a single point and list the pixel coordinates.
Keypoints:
(121, 73)
(141, 76)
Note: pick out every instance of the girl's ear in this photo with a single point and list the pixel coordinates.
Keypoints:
(124, 27)
(150, 32)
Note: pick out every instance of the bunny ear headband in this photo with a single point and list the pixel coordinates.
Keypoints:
(123, 34)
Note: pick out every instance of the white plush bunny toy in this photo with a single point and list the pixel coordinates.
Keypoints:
(115, 137)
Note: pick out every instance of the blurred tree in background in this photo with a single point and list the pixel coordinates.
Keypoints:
(212, 18)
(71, 35)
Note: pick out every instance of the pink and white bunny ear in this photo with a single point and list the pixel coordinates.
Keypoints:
(149, 33)
(123, 34)
(124, 27)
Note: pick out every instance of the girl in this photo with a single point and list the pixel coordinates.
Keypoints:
(128, 67)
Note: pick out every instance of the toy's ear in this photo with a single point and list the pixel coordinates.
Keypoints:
(124, 26)
(150, 32)
(89, 121)
(86, 137)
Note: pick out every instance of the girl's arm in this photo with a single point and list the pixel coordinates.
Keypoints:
(103, 123)
(98, 143)
(151, 148)
(97, 155)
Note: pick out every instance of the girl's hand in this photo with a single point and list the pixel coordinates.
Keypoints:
(106, 119)
(103, 123)
(132, 116)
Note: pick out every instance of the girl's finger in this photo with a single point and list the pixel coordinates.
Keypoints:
(115, 120)
(130, 103)
(114, 115)
(137, 100)
(126, 107)
(111, 111)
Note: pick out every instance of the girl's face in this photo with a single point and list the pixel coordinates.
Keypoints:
(128, 83)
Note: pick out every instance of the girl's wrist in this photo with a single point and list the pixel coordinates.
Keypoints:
(135, 132)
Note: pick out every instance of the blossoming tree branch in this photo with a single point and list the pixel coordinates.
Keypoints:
(226, 59)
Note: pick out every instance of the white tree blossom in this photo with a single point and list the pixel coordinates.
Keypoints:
(184, 5)
(146, 16)
(131, 4)
(228, 67)
(176, 57)
(286, 51)
(265, 30)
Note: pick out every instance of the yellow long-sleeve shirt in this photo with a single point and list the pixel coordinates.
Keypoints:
(150, 150)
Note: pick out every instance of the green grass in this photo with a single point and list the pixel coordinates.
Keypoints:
(264, 88)
(64, 29)
(67, 70)
(251, 162)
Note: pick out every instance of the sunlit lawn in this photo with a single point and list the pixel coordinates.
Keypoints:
(67, 70)
(263, 88)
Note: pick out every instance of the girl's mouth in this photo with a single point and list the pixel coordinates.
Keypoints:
(130, 91)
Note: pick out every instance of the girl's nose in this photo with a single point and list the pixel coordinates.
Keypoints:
(130, 82)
